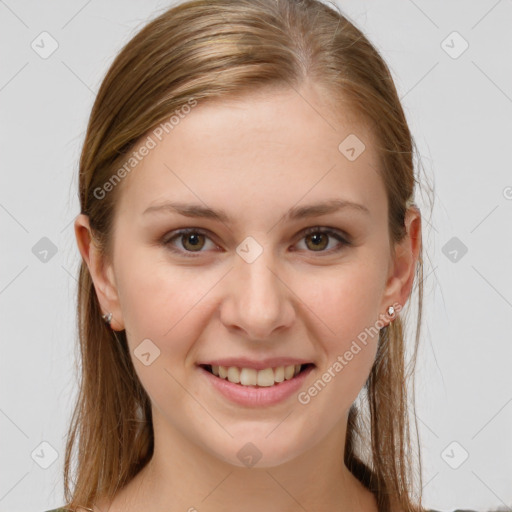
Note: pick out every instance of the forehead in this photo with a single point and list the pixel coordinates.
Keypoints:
(256, 153)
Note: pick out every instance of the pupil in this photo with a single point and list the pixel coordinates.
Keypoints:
(192, 240)
(316, 239)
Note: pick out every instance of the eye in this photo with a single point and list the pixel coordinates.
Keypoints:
(192, 240)
(318, 239)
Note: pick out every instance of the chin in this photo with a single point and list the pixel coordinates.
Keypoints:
(259, 452)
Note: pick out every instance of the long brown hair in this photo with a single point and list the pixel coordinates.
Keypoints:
(195, 51)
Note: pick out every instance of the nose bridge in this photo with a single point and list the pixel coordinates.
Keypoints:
(258, 298)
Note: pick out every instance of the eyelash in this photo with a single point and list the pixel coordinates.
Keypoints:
(309, 231)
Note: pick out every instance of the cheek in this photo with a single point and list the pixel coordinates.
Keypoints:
(163, 302)
(344, 307)
(166, 305)
(346, 300)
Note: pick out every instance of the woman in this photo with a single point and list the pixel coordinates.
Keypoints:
(249, 240)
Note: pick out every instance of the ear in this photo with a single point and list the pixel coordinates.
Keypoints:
(102, 273)
(402, 268)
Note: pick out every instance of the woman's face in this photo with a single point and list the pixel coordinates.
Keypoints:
(253, 286)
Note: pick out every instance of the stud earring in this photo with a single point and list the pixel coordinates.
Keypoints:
(107, 318)
(391, 311)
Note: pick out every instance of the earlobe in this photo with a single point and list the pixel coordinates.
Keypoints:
(101, 274)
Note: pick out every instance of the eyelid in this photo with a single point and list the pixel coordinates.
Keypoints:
(328, 230)
(343, 238)
(177, 233)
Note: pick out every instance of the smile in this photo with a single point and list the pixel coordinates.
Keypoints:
(251, 377)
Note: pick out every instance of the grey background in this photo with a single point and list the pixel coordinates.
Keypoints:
(459, 107)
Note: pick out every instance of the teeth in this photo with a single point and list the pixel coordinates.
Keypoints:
(266, 377)
(233, 374)
(289, 371)
(279, 374)
(248, 376)
(251, 377)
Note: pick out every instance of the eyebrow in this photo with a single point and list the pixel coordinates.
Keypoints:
(295, 213)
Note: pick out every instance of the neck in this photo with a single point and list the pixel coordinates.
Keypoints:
(182, 476)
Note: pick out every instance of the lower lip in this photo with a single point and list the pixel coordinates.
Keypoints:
(257, 396)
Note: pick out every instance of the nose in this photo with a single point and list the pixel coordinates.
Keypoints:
(257, 299)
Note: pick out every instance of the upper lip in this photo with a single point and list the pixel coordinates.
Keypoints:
(261, 364)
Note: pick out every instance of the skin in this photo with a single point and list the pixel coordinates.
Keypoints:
(255, 157)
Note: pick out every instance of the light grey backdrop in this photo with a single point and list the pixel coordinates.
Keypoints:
(453, 68)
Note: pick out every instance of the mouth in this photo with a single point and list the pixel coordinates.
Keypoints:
(252, 378)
